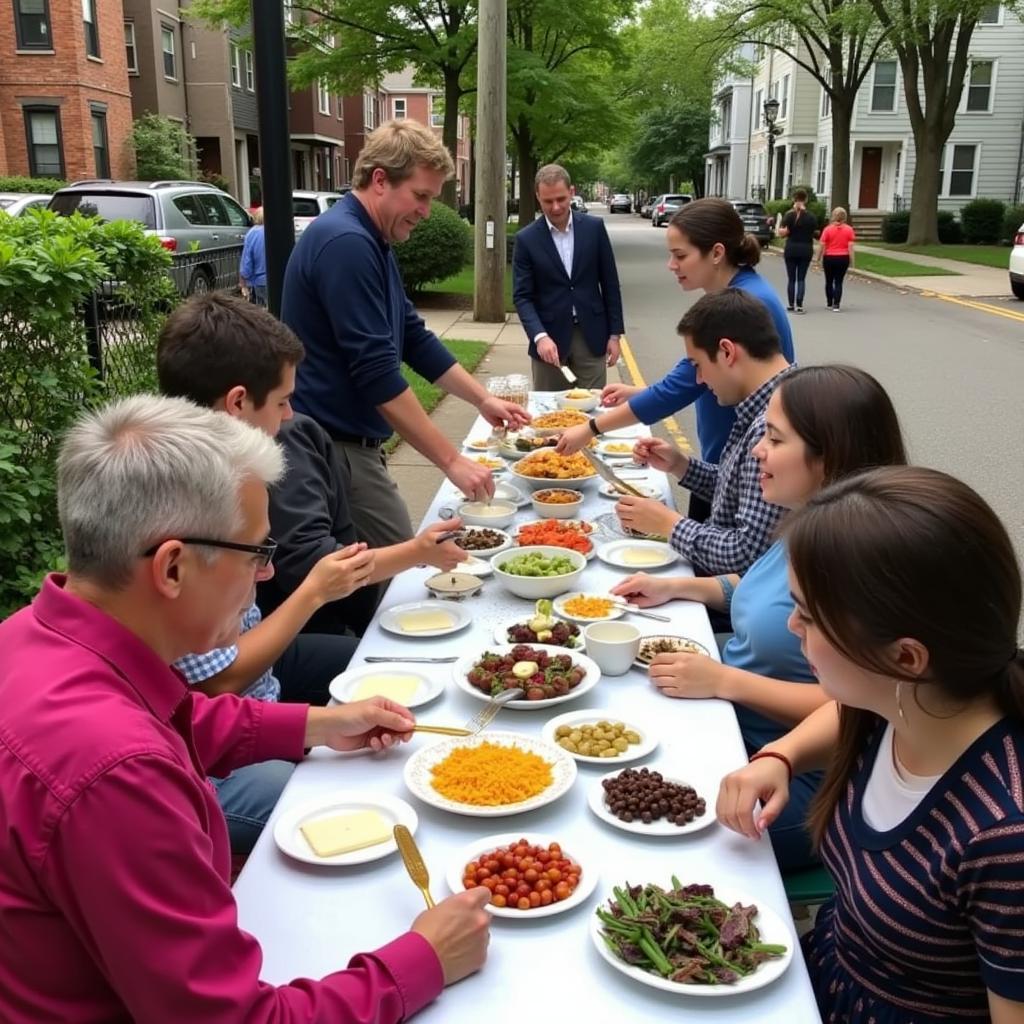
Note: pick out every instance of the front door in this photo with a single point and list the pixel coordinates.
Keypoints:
(870, 177)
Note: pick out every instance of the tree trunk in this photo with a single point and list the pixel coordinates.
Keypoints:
(842, 115)
(924, 202)
(527, 172)
(450, 133)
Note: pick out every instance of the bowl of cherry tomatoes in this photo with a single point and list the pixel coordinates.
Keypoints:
(529, 875)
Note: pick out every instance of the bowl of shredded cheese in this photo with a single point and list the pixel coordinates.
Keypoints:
(489, 775)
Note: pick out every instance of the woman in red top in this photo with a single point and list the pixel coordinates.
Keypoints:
(836, 256)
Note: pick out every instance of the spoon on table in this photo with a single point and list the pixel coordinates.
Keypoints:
(413, 860)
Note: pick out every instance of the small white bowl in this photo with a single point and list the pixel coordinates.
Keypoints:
(559, 510)
(583, 404)
(497, 514)
(535, 587)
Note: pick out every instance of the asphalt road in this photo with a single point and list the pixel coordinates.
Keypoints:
(955, 374)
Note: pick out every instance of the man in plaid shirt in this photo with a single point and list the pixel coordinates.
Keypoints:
(730, 339)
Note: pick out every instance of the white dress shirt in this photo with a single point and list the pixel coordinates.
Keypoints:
(564, 243)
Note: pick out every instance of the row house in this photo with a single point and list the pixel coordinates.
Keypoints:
(984, 156)
(65, 105)
(726, 162)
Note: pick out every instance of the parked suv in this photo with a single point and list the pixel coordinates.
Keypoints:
(620, 203)
(14, 204)
(189, 217)
(757, 221)
(307, 206)
(665, 205)
(1017, 264)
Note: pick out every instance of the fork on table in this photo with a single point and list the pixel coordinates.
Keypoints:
(485, 715)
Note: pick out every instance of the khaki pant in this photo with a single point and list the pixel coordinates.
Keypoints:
(378, 511)
(591, 370)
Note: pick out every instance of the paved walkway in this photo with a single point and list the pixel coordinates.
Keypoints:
(974, 280)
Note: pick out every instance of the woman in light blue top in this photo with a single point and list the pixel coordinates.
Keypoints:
(823, 423)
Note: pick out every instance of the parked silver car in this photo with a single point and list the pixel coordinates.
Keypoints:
(307, 206)
(620, 203)
(665, 205)
(14, 204)
(191, 218)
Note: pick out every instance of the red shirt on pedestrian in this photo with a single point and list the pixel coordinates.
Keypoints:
(836, 239)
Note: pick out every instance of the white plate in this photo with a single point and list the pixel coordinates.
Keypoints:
(564, 522)
(661, 827)
(501, 634)
(648, 741)
(506, 491)
(770, 925)
(558, 607)
(460, 615)
(588, 875)
(612, 553)
(475, 566)
(603, 449)
(292, 842)
(606, 490)
(640, 663)
(506, 543)
(418, 769)
(461, 668)
(479, 445)
(493, 456)
(343, 687)
(632, 432)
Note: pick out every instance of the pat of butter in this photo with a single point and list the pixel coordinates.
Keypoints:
(642, 556)
(399, 688)
(422, 622)
(344, 833)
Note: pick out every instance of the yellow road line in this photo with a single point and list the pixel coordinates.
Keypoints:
(638, 379)
(983, 306)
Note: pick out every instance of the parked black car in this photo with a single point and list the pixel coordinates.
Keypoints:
(757, 221)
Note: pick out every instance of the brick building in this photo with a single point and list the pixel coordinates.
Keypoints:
(65, 106)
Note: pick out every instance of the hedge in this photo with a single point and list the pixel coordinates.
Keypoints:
(40, 186)
(49, 267)
(439, 246)
(896, 227)
(1012, 221)
(982, 221)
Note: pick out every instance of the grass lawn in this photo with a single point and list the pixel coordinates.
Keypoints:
(468, 353)
(888, 267)
(462, 284)
(984, 255)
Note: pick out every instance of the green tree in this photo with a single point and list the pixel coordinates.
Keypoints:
(163, 149)
(670, 145)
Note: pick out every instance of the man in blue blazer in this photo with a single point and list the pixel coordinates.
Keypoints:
(566, 289)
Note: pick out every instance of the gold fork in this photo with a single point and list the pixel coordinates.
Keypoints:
(485, 715)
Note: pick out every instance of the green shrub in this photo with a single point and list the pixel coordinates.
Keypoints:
(40, 186)
(1012, 220)
(49, 267)
(982, 221)
(895, 227)
(778, 206)
(163, 149)
(438, 247)
(782, 206)
(950, 229)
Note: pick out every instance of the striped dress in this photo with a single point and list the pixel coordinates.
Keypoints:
(930, 914)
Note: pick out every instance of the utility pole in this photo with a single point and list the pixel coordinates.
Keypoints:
(491, 211)
(275, 148)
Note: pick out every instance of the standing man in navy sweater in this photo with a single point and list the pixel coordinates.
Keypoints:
(566, 289)
(344, 298)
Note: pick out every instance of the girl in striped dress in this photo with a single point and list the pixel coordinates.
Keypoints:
(907, 601)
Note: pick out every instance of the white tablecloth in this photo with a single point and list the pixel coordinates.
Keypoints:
(310, 920)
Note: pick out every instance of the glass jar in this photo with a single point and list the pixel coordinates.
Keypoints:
(518, 388)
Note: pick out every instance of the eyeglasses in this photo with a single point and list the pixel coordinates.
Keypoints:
(264, 551)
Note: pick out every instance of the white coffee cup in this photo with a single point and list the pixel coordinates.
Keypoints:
(613, 645)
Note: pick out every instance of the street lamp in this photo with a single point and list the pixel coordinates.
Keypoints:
(771, 113)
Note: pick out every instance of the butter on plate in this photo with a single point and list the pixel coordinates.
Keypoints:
(424, 621)
(642, 556)
(343, 833)
(397, 687)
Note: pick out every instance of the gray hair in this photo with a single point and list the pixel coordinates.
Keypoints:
(552, 174)
(148, 468)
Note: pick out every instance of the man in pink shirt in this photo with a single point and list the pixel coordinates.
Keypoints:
(114, 873)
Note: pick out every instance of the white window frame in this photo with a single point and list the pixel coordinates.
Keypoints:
(991, 86)
(368, 111)
(399, 114)
(168, 32)
(821, 172)
(946, 171)
(235, 62)
(289, 12)
(784, 99)
(759, 109)
(825, 108)
(130, 44)
(250, 72)
(91, 19)
(1000, 10)
(895, 88)
(323, 97)
(436, 120)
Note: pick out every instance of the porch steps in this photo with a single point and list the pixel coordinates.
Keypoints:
(868, 224)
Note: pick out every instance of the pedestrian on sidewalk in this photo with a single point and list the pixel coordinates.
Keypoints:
(252, 270)
(799, 228)
(345, 299)
(566, 289)
(836, 255)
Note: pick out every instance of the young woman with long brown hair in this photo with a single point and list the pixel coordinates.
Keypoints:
(907, 600)
(823, 423)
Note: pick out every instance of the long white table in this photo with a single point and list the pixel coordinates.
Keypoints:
(310, 919)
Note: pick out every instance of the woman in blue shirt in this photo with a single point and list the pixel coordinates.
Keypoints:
(822, 424)
(708, 250)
